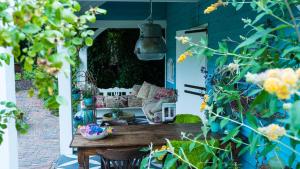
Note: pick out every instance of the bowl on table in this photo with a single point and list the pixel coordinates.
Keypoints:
(94, 132)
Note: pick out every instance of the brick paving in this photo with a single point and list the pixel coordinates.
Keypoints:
(39, 148)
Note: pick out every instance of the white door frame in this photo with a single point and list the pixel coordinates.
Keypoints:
(180, 86)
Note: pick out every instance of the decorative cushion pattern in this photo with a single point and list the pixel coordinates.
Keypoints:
(144, 91)
(134, 101)
(100, 103)
(116, 101)
(163, 92)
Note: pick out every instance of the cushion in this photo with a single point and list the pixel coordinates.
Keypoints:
(163, 92)
(134, 101)
(144, 91)
(100, 103)
(136, 89)
(152, 92)
(112, 101)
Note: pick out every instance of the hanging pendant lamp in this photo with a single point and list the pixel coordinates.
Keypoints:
(151, 45)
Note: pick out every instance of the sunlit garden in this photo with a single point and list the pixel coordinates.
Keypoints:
(156, 84)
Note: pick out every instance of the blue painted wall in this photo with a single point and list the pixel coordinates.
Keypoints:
(132, 11)
(225, 22)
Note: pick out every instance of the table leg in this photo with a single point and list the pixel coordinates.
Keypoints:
(80, 159)
(86, 162)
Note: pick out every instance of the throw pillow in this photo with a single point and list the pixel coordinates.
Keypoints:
(152, 92)
(144, 91)
(136, 89)
(163, 92)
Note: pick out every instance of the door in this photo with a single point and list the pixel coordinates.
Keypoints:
(189, 77)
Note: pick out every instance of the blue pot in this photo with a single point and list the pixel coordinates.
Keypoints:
(215, 127)
(76, 96)
(88, 101)
(88, 117)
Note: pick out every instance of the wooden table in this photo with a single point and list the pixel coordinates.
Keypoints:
(131, 136)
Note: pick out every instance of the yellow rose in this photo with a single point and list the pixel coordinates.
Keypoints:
(203, 106)
(271, 85)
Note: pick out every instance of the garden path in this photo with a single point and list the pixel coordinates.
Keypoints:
(39, 148)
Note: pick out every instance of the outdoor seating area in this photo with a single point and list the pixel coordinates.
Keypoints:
(150, 84)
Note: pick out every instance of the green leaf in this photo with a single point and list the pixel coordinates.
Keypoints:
(10, 104)
(223, 123)
(252, 39)
(88, 41)
(253, 143)
(231, 134)
(267, 149)
(295, 116)
(170, 162)
(272, 108)
(295, 49)
(251, 120)
(243, 150)
(30, 28)
(77, 41)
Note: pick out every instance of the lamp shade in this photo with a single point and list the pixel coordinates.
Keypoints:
(151, 45)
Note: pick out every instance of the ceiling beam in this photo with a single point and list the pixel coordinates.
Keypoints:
(137, 1)
(104, 24)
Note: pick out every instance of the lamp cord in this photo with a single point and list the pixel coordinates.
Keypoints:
(150, 19)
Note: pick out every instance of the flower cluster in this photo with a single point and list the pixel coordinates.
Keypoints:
(183, 56)
(282, 82)
(203, 105)
(183, 39)
(214, 7)
(272, 132)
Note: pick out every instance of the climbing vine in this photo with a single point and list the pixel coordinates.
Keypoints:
(43, 26)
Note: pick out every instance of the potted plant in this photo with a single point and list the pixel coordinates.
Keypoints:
(87, 97)
(75, 93)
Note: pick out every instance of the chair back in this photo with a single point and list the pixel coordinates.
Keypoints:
(122, 158)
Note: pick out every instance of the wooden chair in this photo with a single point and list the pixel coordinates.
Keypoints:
(122, 158)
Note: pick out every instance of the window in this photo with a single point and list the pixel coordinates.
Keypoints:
(170, 70)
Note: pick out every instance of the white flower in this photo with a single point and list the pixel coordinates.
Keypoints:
(287, 106)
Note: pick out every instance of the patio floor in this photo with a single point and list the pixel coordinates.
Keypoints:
(39, 148)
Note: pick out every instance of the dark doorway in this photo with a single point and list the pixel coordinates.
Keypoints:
(113, 63)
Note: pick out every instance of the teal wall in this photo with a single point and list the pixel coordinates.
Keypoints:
(225, 22)
(132, 11)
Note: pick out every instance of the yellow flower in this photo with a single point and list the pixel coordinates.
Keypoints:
(298, 72)
(289, 76)
(183, 39)
(283, 92)
(271, 85)
(181, 58)
(273, 73)
(272, 132)
(213, 7)
(206, 98)
(203, 106)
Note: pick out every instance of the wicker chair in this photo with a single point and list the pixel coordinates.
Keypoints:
(122, 158)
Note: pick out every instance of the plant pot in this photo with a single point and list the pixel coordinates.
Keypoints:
(88, 102)
(215, 127)
(76, 96)
(88, 117)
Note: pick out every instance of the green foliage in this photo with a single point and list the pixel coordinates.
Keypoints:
(272, 41)
(187, 118)
(10, 112)
(115, 65)
(198, 155)
(34, 31)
